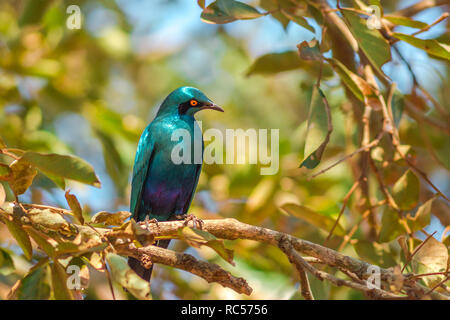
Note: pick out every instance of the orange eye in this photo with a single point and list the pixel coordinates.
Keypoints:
(193, 102)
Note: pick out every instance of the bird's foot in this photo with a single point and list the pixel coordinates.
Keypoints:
(190, 217)
(147, 222)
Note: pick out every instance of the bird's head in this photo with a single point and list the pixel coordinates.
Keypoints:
(187, 100)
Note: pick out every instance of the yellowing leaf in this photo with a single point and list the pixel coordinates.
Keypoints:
(2, 143)
(431, 257)
(315, 218)
(74, 206)
(23, 174)
(2, 195)
(110, 219)
(197, 238)
(5, 172)
(201, 3)
(310, 50)
(357, 85)
(260, 194)
(122, 274)
(49, 220)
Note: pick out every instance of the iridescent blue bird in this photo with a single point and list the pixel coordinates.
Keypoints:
(162, 188)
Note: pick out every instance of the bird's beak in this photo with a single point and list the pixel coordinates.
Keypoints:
(211, 106)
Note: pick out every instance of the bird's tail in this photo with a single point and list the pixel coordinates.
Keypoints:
(140, 270)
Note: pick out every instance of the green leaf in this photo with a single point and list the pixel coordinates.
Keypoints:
(225, 11)
(275, 62)
(431, 257)
(273, 6)
(69, 167)
(372, 43)
(237, 9)
(431, 46)
(318, 130)
(34, 285)
(23, 173)
(315, 218)
(405, 21)
(42, 241)
(374, 253)
(59, 282)
(33, 11)
(357, 85)
(398, 102)
(6, 262)
(422, 217)
(59, 181)
(74, 205)
(390, 225)
(197, 238)
(113, 161)
(406, 191)
(110, 219)
(21, 237)
(298, 20)
(122, 274)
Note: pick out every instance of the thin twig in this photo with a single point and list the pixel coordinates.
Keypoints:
(437, 286)
(344, 205)
(297, 259)
(363, 148)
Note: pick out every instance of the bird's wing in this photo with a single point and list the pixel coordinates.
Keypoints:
(144, 154)
(189, 200)
(197, 173)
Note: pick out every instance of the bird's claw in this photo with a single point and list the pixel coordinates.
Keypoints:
(190, 217)
(147, 222)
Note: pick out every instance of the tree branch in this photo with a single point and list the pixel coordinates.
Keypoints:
(122, 240)
(211, 272)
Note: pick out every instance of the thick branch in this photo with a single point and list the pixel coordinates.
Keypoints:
(296, 259)
(211, 272)
(121, 241)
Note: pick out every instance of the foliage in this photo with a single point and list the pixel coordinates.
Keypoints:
(363, 146)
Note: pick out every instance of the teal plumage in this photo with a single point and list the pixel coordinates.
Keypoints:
(160, 188)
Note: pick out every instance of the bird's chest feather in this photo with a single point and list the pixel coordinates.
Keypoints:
(168, 180)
